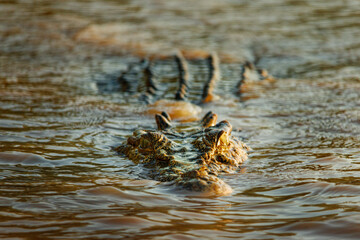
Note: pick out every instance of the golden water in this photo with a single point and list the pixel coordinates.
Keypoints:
(61, 112)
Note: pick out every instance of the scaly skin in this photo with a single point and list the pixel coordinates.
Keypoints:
(193, 158)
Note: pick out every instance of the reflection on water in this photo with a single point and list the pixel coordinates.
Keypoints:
(61, 113)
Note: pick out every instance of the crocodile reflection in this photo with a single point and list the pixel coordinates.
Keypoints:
(193, 158)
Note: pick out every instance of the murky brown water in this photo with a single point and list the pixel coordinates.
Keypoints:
(60, 113)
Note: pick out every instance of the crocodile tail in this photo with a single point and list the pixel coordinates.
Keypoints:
(242, 78)
(213, 62)
(149, 80)
(183, 77)
(128, 79)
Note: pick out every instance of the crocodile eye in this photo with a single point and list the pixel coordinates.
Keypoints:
(222, 138)
(162, 122)
(166, 115)
(209, 119)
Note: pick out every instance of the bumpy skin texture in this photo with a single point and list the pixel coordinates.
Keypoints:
(129, 80)
(193, 158)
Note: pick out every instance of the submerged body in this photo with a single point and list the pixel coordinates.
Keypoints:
(191, 159)
(180, 107)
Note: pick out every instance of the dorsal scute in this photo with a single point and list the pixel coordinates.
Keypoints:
(209, 119)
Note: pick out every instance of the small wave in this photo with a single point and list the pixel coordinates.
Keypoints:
(15, 158)
(126, 196)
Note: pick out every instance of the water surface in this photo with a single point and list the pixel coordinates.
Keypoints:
(61, 111)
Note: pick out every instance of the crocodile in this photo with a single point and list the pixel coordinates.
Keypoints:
(129, 79)
(189, 155)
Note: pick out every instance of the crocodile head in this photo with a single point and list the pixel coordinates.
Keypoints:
(192, 157)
